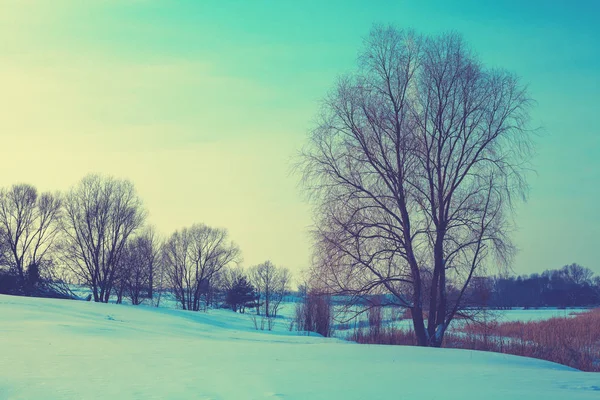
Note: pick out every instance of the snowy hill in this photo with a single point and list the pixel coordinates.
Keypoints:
(60, 349)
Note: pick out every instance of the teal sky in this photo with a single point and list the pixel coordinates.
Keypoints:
(203, 104)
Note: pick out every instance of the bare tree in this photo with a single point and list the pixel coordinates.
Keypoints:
(137, 267)
(102, 213)
(29, 223)
(160, 278)
(314, 313)
(192, 257)
(577, 274)
(414, 166)
(4, 250)
(271, 283)
(281, 289)
(151, 247)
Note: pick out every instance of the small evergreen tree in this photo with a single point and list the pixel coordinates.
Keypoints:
(241, 295)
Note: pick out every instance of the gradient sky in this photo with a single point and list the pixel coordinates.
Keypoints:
(203, 105)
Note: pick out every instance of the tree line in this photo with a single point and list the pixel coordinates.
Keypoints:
(570, 286)
(96, 235)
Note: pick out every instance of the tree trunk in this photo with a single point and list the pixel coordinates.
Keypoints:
(419, 326)
(437, 304)
(158, 299)
(106, 295)
(120, 295)
(151, 283)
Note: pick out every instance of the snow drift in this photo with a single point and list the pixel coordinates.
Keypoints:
(61, 349)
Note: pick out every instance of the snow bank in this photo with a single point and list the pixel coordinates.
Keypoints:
(60, 349)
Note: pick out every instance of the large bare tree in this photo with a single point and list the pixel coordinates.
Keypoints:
(29, 223)
(101, 214)
(192, 258)
(413, 166)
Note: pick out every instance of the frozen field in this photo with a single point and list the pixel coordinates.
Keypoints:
(61, 349)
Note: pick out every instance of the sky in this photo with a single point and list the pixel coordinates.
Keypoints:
(205, 104)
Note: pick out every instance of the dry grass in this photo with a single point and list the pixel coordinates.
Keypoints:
(573, 341)
(385, 335)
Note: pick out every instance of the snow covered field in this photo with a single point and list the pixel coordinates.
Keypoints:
(61, 349)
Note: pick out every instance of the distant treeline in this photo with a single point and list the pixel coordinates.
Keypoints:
(571, 286)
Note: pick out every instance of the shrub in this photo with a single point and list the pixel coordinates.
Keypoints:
(33, 285)
(10, 283)
(386, 335)
(314, 314)
(32, 278)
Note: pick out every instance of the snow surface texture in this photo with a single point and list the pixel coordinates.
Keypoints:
(61, 349)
